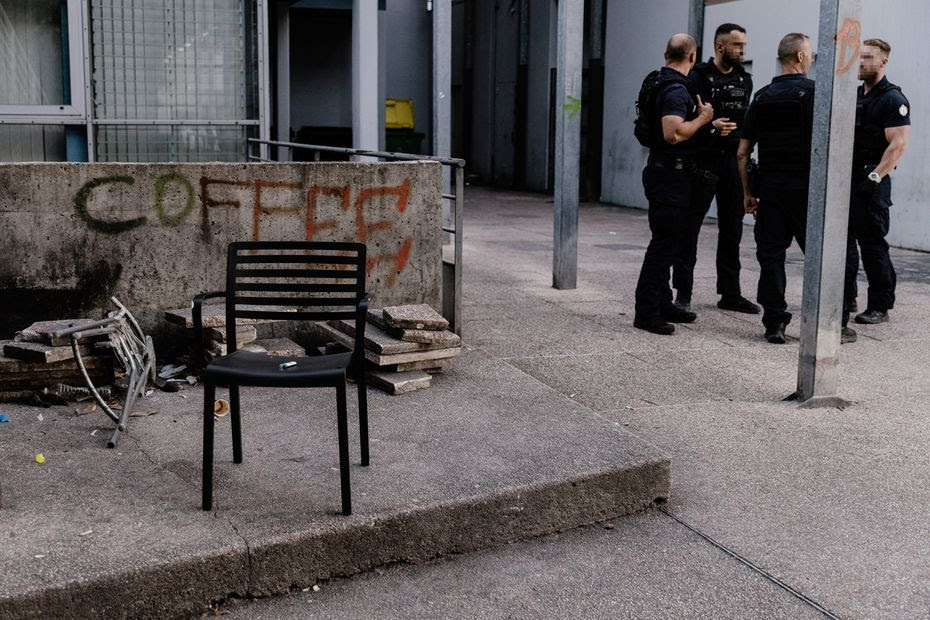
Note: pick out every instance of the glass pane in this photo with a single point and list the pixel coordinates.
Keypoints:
(172, 59)
(31, 70)
(182, 143)
(32, 143)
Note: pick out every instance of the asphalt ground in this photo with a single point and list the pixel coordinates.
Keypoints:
(775, 512)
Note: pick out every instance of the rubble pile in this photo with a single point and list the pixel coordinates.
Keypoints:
(404, 345)
(35, 359)
(214, 332)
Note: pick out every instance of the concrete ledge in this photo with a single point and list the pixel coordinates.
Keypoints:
(487, 456)
(279, 563)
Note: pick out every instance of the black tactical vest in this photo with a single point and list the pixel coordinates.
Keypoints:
(729, 94)
(659, 145)
(783, 120)
(870, 142)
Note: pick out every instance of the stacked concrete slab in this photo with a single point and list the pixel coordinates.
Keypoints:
(214, 332)
(35, 360)
(404, 345)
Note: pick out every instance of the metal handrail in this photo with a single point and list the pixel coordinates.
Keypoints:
(457, 197)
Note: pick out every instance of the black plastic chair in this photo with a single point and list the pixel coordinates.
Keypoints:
(288, 280)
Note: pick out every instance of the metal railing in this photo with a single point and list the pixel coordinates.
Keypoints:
(451, 269)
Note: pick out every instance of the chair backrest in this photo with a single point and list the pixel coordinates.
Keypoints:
(294, 280)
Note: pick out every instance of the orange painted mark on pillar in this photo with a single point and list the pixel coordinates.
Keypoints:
(258, 210)
(848, 46)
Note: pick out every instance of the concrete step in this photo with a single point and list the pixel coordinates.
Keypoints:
(485, 457)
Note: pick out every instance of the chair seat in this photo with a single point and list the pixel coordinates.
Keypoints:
(261, 369)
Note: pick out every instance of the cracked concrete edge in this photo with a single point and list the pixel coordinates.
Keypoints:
(172, 589)
(274, 566)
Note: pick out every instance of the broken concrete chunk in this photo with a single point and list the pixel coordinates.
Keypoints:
(244, 334)
(326, 331)
(430, 366)
(214, 315)
(417, 316)
(284, 347)
(43, 330)
(439, 338)
(41, 353)
(396, 383)
(379, 341)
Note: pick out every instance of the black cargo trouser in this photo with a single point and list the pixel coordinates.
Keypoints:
(668, 191)
(729, 193)
(781, 217)
(869, 221)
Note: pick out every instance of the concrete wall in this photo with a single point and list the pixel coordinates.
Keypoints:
(156, 234)
(637, 31)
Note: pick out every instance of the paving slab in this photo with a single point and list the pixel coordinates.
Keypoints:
(831, 501)
(453, 470)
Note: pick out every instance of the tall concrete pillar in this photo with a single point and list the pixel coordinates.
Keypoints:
(570, 42)
(828, 201)
(283, 95)
(365, 105)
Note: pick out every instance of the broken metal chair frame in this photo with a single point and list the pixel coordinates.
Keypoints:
(321, 281)
(132, 348)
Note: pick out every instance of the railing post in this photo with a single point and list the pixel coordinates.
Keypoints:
(457, 323)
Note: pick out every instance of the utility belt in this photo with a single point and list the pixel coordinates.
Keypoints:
(671, 162)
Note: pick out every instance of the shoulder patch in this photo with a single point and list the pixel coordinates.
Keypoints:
(903, 110)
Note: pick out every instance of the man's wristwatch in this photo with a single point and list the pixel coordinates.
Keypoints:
(874, 177)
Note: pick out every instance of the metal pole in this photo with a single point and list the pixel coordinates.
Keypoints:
(365, 108)
(696, 23)
(442, 94)
(828, 202)
(567, 143)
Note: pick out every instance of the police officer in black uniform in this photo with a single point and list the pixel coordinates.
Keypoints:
(722, 82)
(667, 180)
(780, 120)
(883, 118)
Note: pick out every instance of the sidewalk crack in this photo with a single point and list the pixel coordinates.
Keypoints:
(158, 464)
(751, 565)
(248, 555)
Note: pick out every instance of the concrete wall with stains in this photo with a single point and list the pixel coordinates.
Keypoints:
(156, 234)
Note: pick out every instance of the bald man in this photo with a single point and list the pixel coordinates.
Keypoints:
(667, 180)
(780, 120)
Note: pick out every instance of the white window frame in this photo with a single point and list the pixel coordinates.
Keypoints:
(75, 112)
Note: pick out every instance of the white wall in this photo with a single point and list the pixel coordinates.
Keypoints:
(636, 34)
(637, 31)
(903, 24)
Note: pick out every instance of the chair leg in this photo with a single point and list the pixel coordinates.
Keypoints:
(236, 424)
(342, 426)
(209, 394)
(362, 413)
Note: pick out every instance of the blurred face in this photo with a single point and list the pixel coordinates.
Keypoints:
(871, 61)
(732, 48)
